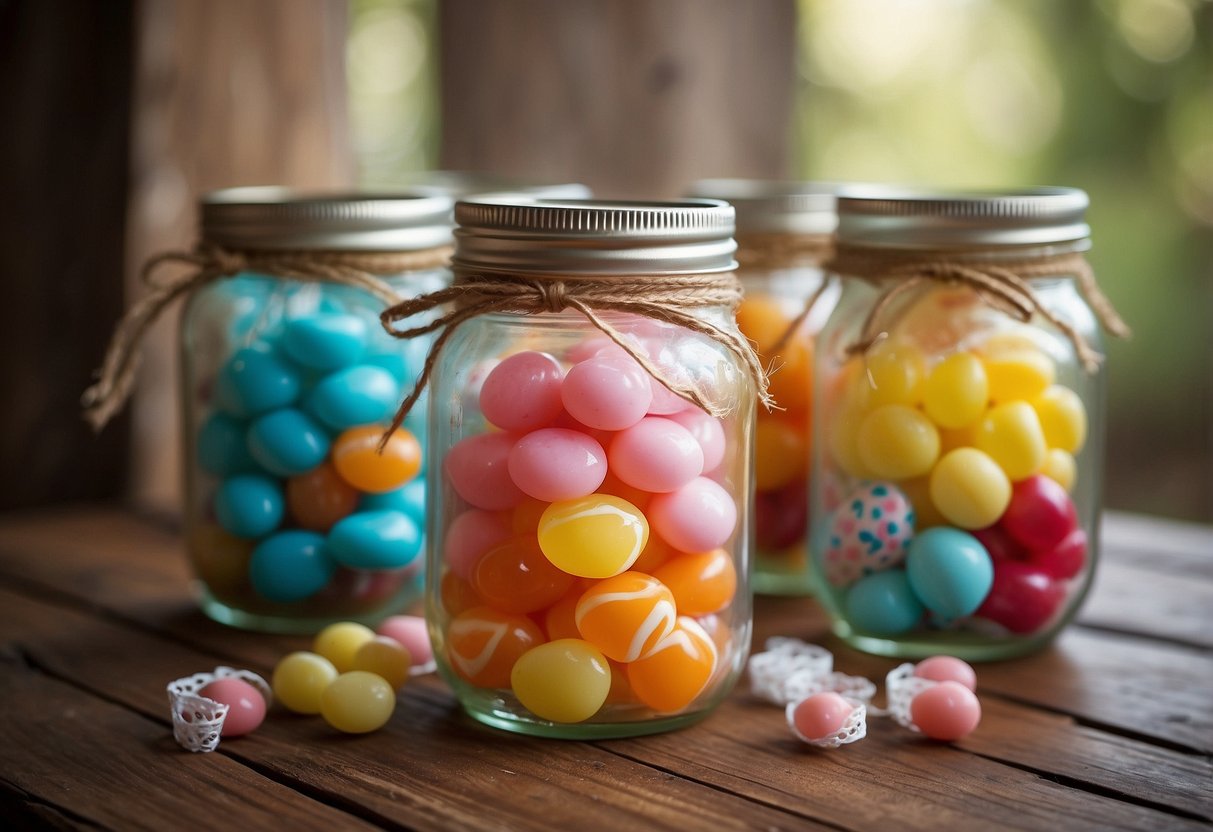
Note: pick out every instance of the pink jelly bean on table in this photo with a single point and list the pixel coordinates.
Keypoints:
(947, 711)
(698, 517)
(478, 468)
(821, 715)
(246, 705)
(707, 431)
(522, 393)
(410, 631)
(656, 454)
(947, 669)
(469, 536)
(607, 393)
(553, 464)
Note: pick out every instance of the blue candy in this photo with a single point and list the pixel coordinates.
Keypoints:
(883, 604)
(395, 363)
(291, 566)
(950, 571)
(254, 381)
(375, 540)
(222, 449)
(409, 499)
(325, 342)
(287, 442)
(356, 396)
(249, 505)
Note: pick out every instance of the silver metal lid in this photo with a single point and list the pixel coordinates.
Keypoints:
(767, 206)
(881, 217)
(459, 184)
(593, 237)
(281, 218)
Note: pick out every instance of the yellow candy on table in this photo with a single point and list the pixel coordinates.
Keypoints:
(897, 442)
(1010, 433)
(300, 679)
(386, 658)
(1062, 417)
(1018, 374)
(894, 373)
(358, 702)
(566, 680)
(969, 488)
(1060, 467)
(598, 536)
(956, 391)
(340, 642)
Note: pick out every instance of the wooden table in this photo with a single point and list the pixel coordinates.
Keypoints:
(1111, 728)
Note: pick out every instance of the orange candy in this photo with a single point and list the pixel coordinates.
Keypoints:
(655, 553)
(221, 560)
(457, 594)
(483, 645)
(781, 453)
(524, 518)
(625, 616)
(516, 577)
(676, 670)
(615, 487)
(320, 498)
(560, 620)
(357, 459)
(702, 583)
(763, 320)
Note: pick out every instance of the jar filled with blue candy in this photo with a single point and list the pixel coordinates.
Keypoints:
(295, 517)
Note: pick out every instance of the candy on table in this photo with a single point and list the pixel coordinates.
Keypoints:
(522, 393)
(883, 603)
(593, 537)
(947, 669)
(947, 711)
(357, 702)
(358, 460)
(826, 719)
(287, 442)
(553, 464)
(299, 680)
(626, 616)
(375, 540)
(671, 675)
(701, 583)
(411, 632)
(291, 566)
(386, 658)
(224, 703)
(483, 644)
(566, 680)
(477, 467)
(868, 533)
(340, 642)
(516, 577)
(656, 454)
(319, 498)
(696, 518)
(249, 505)
(246, 705)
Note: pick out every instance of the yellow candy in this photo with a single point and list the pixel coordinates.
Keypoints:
(386, 658)
(358, 702)
(969, 488)
(1060, 467)
(339, 642)
(895, 372)
(897, 442)
(918, 492)
(562, 681)
(955, 393)
(1010, 433)
(1018, 374)
(952, 438)
(843, 440)
(1063, 418)
(300, 679)
(593, 537)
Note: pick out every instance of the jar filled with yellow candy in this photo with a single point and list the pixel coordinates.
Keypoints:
(958, 422)
(783, 233)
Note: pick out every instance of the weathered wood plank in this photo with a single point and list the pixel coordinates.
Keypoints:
(1131, 597)
(1158, 543)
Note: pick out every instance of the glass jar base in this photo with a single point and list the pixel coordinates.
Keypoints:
(775, 583)
(583, 730)
(224, 613)
(973, 647)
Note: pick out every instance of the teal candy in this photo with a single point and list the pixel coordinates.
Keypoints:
(358, 395)
(394, 363)
(325, 342)
(883, 604)
(254, 381)
(221, 446)
(950, 571)
(291, 566)
(287, 442)
(249, 505)
(410, 499)
(375, 540)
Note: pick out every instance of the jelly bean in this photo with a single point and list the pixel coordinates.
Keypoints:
(698, 517)
(222, 449)
(607, 393)
(386, 658)
(357, 458)
(950, 571)
(998, 544)
(677, 670)
(594, 537)
(1066, 559)
(883, 604)
(969, 488)
(616, 487)
(665, 401)
(287, 442)
(1010, 433)
(255, 381)
(1040, 513)
(522, 393)
(821, 715)
(918, 492)
(457, 595)
(781, 518)
(955, 393)
(524, 518)
(354, 396)
(625, 616)
(763, 320)
(478, 469)
(707, 431)
(249, 505)
(325, 342)
(701, 583)
(483, 645)
(515, 577)
(560, 619)
(952, 438)
(357, 702)
(562, 681)
(398, 365)
(897, 442)
(410, 632)
(1024, 598)
(655, 553)
(656, 454)
(246, 705)
(781, 453)
(299, 680)
(1016, 374)
(409, 498)
(553, 464)
(220, 559)
(375, 540)
(1061, 468)
(947, 711)
(320, 498)
(1063, 418)
(895, 372)
(469, 536)
(290, 566)
(340, 642)
(792, 384)
(869, 532)
(843, 438)
(947, 669)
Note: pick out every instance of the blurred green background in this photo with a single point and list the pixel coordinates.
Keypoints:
(1114, 96)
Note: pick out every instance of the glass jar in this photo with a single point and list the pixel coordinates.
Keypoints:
(957, 446)
(590, 530)
(291, 520)
(783, 232)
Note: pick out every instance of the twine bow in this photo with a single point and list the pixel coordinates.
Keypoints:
(207, 263)
(664, 298)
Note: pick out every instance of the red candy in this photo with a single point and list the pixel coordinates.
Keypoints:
(1065, 560)
(1040, 513)
(781, 518)
(1023, 598)
(999, 544)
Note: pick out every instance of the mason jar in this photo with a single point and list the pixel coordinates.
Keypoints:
(783, 234)
(590, 529)
(462, 184)
(292, 520)
(958, 423)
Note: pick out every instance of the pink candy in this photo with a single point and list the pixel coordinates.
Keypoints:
(410, 631)
(947, 669)
(478, 469)
(698, 517)
(557, 464)
(707, 432)
(523, 392)
(821, 715)
(469, 536)
(657, 455)
(607, 392)
(947, 711)
(246, 705)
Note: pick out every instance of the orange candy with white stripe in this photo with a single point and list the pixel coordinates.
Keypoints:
(626, 616)
(678, 668)
(483, 645)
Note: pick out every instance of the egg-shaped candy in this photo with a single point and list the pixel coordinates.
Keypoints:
(483, 645)
(358, 702)
(478, 469)
(607, 392)
(883, 604)
(249, 505)
(1010, 433)
(562, 681)
(358, 395)
(553, 464)
(254, 380)
(325, 341)
(702, 583)
(656, 455)
(320, 498)
(1023, 598)
(625, 616)
(956, 391)
(1040, 513)
(287, 442)
(781, 517)
(375, 540)
(300, 679)
(1066, 559)
(708, 432)
(897, 442)
(522, 393)
(1062, 418)
(947, 711)
(869, 532)
(222, 448)
(698, 517)
(409, 498)
(291, 566)
(339, 643)
(246, 705)
(358, 460)
(677, 670)
(593, 537)
(781, 452)
(949, 570)
(947, 669)
(969, 488)
(469, 536)
(515, 577)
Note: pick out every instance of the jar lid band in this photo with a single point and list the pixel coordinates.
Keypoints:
(774, 207)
